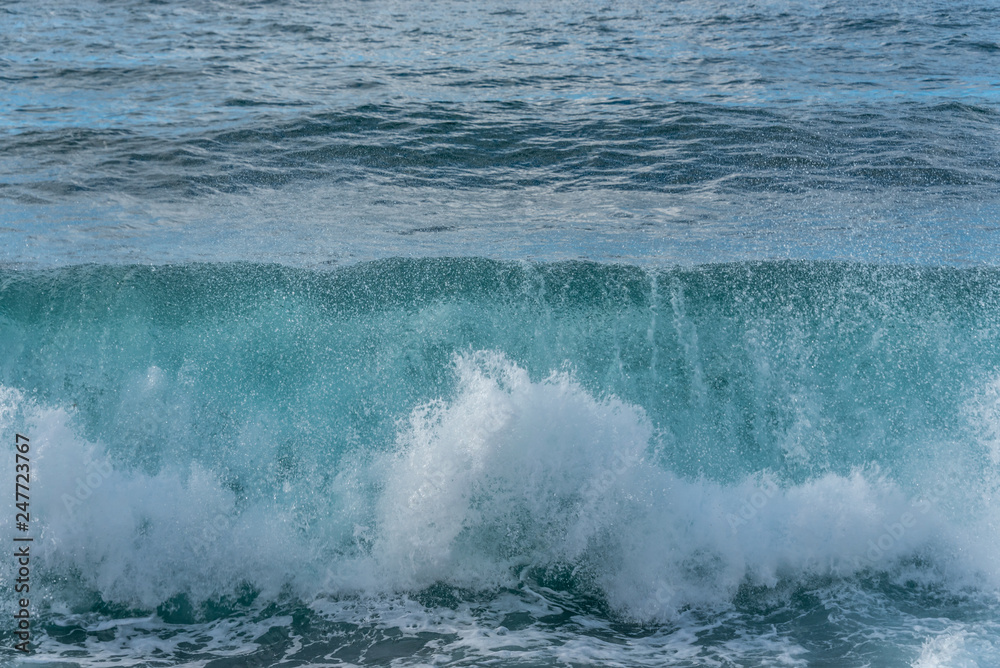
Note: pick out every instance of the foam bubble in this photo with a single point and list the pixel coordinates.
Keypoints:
(514, 474)
(136, 538)
(508, 481)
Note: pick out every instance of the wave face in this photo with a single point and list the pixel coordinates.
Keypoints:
(513, 462)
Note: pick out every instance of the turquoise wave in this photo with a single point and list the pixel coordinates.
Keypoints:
(652, 441)
(737, 366)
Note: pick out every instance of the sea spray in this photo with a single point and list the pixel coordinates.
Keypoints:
(422, 435)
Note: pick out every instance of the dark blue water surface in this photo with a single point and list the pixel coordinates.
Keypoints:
(314, 133)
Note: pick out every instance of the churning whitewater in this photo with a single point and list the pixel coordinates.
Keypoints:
(500, 333)
(509, 461)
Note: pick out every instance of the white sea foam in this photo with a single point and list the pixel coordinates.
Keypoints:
(509, 475)
(509, 479)
(515, 472)
(137, 539)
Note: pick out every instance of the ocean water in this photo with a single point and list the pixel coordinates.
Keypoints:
(502, 333)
